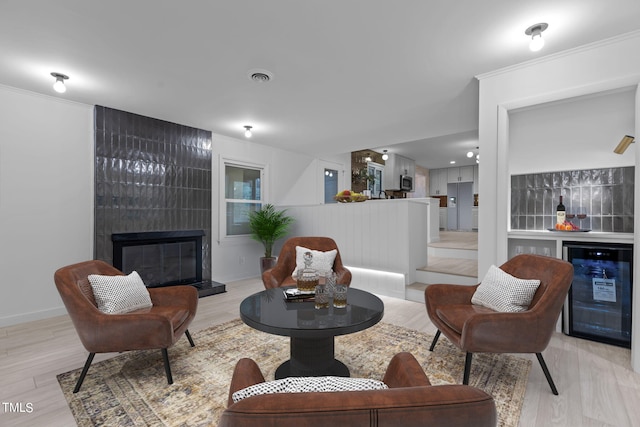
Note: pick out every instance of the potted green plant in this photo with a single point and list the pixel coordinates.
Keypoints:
(268, 225)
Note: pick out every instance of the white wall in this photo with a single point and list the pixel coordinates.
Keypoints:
(46, 199)
(292, 179)
(573, 134)
(599, 67)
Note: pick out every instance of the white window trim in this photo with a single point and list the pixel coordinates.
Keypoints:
(222, 202)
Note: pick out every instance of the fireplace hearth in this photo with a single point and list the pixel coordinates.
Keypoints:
(164, 258)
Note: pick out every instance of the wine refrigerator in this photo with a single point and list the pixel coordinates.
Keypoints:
(598, 305)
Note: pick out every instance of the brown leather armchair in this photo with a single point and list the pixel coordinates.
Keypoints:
(410, 401)
(477, 329)
(280, 275)
(160, 326)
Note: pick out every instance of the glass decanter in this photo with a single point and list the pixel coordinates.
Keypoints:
(307, 277)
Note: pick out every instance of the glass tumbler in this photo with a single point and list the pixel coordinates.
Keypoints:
(340, 296)
(321, 297)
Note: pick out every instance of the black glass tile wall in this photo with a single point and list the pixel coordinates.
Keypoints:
(606, 195)
(150, 175)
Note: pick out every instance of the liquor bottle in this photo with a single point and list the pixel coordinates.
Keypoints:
(560, 213)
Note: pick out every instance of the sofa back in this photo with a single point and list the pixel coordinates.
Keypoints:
(450, 405)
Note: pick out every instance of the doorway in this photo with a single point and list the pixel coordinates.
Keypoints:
(330, 185)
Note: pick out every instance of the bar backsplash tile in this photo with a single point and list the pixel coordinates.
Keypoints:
(606, 194)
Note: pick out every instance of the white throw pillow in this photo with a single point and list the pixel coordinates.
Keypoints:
(503, 292)
(322, 261)
(308, 384)
(119, 294)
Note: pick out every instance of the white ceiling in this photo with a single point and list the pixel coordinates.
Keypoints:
(348, 74)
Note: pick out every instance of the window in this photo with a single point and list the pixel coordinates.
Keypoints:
(243, 194)
(375, 185)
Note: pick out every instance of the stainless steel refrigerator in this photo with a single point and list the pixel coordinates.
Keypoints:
(459, 206)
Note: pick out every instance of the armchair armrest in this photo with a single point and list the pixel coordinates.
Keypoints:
(449, 295)
(519, 332)
(405, 371)
(184, 295)
(245, 374)
(343, 275)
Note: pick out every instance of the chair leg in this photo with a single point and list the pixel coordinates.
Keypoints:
(188, 334)
(435, 340)
(467, 368)
(543, 365)
(84, 372)
(167, 366)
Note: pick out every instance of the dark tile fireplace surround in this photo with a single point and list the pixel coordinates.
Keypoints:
(153, 199)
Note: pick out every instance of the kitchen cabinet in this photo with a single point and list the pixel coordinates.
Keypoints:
(476, 186)
(443, 218)
(395, 166)
(474, 218)
(461, 174)
(438, 182)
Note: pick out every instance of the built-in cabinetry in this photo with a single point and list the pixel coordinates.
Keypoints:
(439, 178)
(461, 174)
(549, 243)
(438, 182)
(443, 218)
(476, 186)
(474, 218)
(395, 166)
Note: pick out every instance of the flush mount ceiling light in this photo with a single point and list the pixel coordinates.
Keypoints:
(260, 76)
(247, 131)
(385, 156)
(624, 143)
(472, 153)
(535, 31)
(59, 85)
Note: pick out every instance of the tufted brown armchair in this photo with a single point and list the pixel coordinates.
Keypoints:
(280, 274)
(409, 401)
(475, 328)
(160, 326)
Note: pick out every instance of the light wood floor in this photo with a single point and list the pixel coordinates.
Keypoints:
(457, 240)
(597, 387)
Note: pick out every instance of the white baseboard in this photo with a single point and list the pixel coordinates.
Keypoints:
(30, 317)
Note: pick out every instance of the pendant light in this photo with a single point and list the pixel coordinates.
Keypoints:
(247, 132)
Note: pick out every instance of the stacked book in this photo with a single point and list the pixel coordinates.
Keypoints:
(294, 295)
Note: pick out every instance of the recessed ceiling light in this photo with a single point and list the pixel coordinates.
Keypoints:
(260, 75)
(453, 162)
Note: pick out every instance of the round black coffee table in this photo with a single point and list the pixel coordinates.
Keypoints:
(312, 331)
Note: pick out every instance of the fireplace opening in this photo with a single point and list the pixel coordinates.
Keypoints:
(164, 258)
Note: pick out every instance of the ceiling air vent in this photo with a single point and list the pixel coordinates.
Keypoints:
(260, 76)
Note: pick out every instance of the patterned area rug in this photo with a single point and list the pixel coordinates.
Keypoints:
(131, 389)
